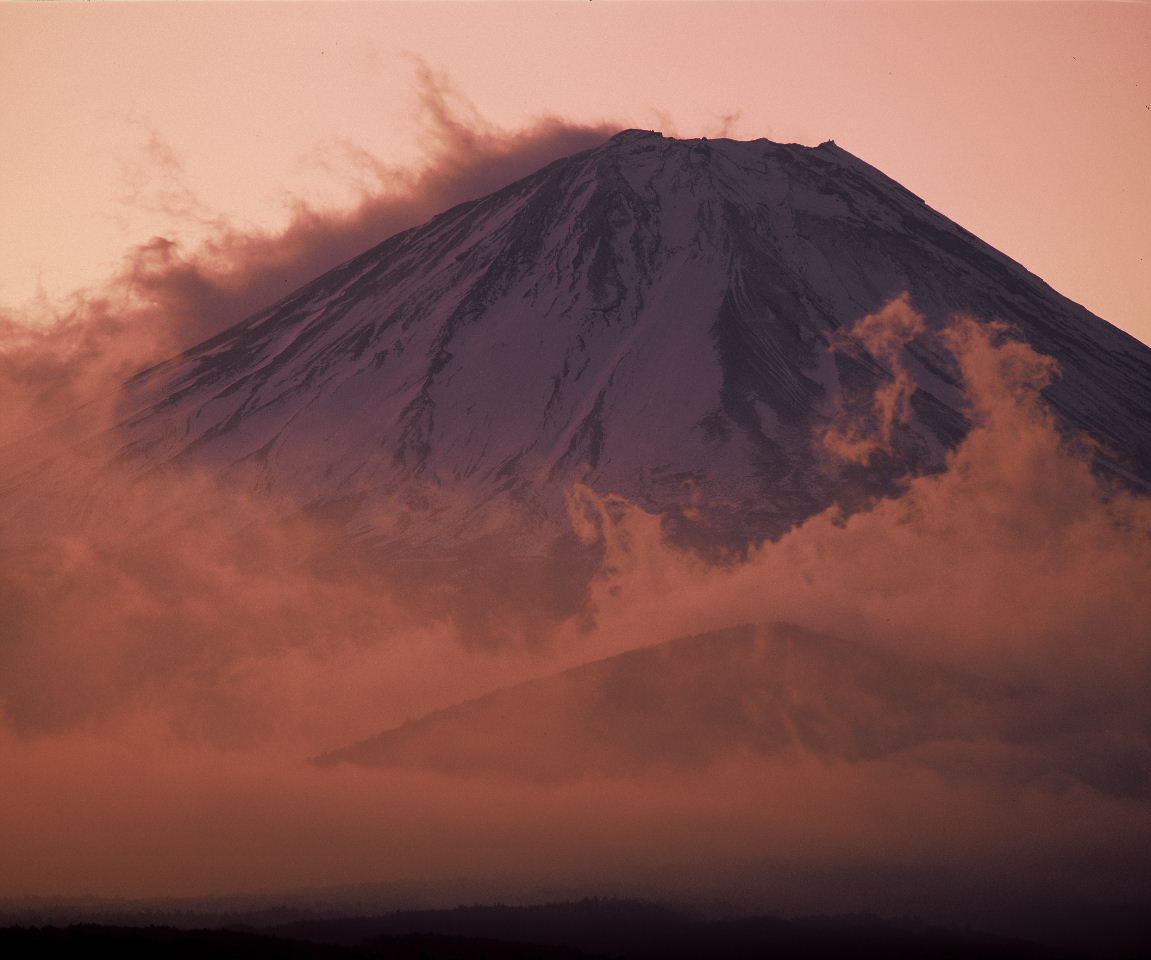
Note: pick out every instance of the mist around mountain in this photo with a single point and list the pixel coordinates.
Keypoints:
(706, 521)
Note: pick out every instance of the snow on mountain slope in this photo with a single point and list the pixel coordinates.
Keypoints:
(651, 318)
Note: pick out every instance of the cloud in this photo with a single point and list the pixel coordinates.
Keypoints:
(882, 336)
(176, 587)
(168, 666)
(1013, 492)
(166, 296)
(1017, 563)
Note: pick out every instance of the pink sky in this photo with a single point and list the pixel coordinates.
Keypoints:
(1027, 123)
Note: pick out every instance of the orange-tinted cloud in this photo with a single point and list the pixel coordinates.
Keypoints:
(883, 336)
(163, 682)
(1017, 563)
(165, 297)
(175, 587)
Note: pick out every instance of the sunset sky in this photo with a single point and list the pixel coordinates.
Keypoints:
(179, 637)
(1028, 123)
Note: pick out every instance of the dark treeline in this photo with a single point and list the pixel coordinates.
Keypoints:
(620, 930)
(147, 943)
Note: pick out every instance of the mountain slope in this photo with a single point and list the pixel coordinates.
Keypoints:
(651, 318)
(772, 690)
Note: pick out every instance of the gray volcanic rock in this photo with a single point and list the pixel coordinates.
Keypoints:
(650, 318)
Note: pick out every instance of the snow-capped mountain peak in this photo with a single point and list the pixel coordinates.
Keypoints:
(650, 318)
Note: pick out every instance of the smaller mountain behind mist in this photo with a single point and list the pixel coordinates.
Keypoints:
(770, 691)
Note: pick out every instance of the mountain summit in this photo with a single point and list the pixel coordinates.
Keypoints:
(650, 318)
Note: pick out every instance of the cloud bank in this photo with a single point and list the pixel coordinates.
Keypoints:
(164, 683)
(161, 697)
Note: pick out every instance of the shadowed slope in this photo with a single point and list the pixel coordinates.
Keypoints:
(770, 690)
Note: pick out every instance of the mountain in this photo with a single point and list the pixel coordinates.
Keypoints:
(775, 690)
(650, 318)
